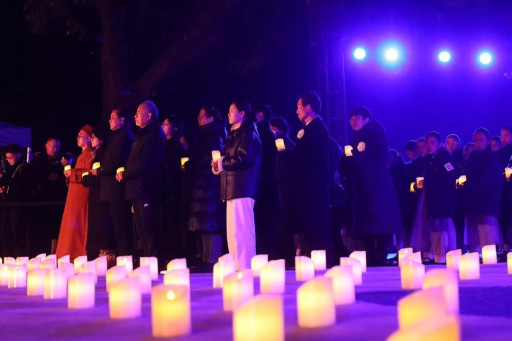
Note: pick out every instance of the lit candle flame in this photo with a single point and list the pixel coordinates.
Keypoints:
(171, 295)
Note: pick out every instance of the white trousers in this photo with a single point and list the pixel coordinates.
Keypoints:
(240, 231)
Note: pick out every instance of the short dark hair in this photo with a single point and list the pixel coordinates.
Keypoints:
(151, 107)
(12, 149)
(280, 123)
(466, 147)
(52, 138)
(496, 139)
(483, 131)
(210, 111)
(364, 112)
(265, 109)
(177, 124)
(421, 139)
(454, 136)
(311, 98)
(435, 135)
(507, 128)
(245, 106)
(121, 113)
(410, 145)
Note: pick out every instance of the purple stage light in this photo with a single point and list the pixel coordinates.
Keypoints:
(359, 53)
(444, 56)
(485, 58)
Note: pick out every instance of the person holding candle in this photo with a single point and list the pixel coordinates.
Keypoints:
(452, 146)
(505, 158)
(111, 191)
(206, 220)
(239, 169)
(143, 178)
(373, 202)
(482, 195)
(73, 228)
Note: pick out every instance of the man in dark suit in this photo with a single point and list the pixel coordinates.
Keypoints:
(143, 177)
(116, 154)
(311, 178)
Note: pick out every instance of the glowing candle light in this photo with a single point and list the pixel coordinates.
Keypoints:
(178, 263)
(48, 264)
(348, 150)
(415, 256)
(78, 262)
(63, 259)
(315, 303)
(509, 263)
(238, 288)
(21, 260)
(508, 173)
(184, 160)
(226, 266)
(9, 261)
(55, 284)
(412, 189)
(114, 275)
(178, 277)
(143, 274)
(421, 305)
(215, 155)
(469, 266)
(124, 299)
(81, 291)
(257, 262)
(453, 259)
(402, 253)
(489, 254)
(17, 276)
(170, 311)
(69, 269)
(4, 274)
(152, 262)
(89, 268)
(343, 284)
(272, 277)
(411, 274)
(35, 282)
(319, 259)
(260, 318)
(357, 269)
(41, 256)
(462, 179)
(443, 327)
(125, 261)
(119, 170)
(448, 280)
(84, 174)
(67, 167)
(96, 165)
(217, 278)
(361, 256)
(101, 266)
(304, 268)
(33, 264)
(280, 145)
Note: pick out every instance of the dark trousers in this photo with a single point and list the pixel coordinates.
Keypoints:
(376, 248)
(123, 229)
(13, 232)
(146, 219)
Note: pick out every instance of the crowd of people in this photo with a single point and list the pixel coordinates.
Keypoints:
(253, 189)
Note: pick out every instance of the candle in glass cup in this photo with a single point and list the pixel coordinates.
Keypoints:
(215, 155)
(489, 255)
(257, 262)
(81, 291)
(343, 284)
(453, 259)
(280, 145)
(469, 266)
(304, 269)
(114, 275)
(260, 318)
(272, 277)
(124, 299)
(152, 262)
(315, 303)
(55, 284)
(319, 259)
(35, 282)
(238, 288)
(170, 311)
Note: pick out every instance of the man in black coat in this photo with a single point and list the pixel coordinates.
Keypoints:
(143, 177)
(311, 179)
(374, 207)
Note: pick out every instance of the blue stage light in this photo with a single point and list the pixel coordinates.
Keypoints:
(359, 53)
(444, 56)
(391, 54)
(485, 58)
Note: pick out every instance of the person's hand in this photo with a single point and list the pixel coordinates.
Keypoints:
(420, 184)
(67, 173)
(94, 172)
(119, 176)
(2, 189)
(215, 166)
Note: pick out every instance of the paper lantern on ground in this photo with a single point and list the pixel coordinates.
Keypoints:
(509, 263)
(143, 275)
(114, 275)
(315, 303)
(101, 266)
(17, 276)
(260, 318)
(78, 262)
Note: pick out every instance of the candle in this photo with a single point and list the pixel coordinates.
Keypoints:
(411, 274)
(226, 266)
(96, 165)
(416, 256)
(1, 261)
(81, 291)
(63, 259)
(509, 263)
(411, 187)
(453, 259)
(318, 257)
(55, 284)
(35, 282)
(9, 261)
(402, 253)
(124, 299)
(184, 160)
(48, 264)
(89, 268)
(419, 181)
(69, 269)
(361, 256)
(421, 305)
(33, 264)
(4, 274)
(21, 260)
(114, 275)
(489, 254)
(304, 269)
(469, 266)
(260, 318)
(343, 284)
(272, 277)
(84, 174)
(119, 170)
(443, 327)
(177, 277)
(170, 311)
(67, 167)
(447, 279)
(127, 261)
(101, 266)
(280, 145)
(238, 288)
(462, 179)
(215, 155)
(257, 262)
(152, 262)
(348, 150)
(41, 256)
(357, 269)
(178, 263)
(143, 274)
(78, 262)
(217, 278)
(315, 303)
(508, 173)
(52, 257)
(17, 276)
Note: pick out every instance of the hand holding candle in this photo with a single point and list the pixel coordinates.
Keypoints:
(280, 145)
(215, 155)
(508, 173)
(419, 181)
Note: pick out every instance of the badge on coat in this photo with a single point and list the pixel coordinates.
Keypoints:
(300, 133)
(361, 146)
(448, 167)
